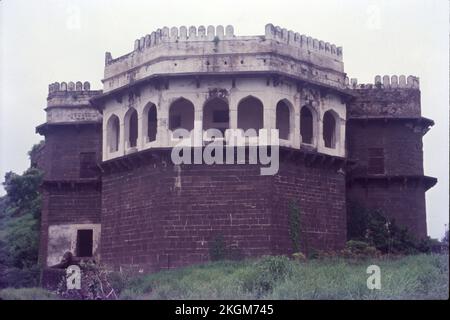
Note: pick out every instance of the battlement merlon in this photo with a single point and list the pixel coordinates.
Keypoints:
(69, 103)
(71, 94)
(386, 82)
(389, 97)
(218, 33)
(218, 50)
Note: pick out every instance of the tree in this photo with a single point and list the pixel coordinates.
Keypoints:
(19, 228)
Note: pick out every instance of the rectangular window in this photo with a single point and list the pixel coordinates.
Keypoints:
(88, 165)
(220, 116)
(375, 161)
(84, 243)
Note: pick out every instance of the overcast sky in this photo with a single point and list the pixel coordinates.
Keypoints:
(61, 40)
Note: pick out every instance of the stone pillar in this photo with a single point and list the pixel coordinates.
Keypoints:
(162, 132)
(105, 150)
(233, 105)
(295, 129)
(198, 125)
(270, 112)
(121, 149)
(318, 139)
(142, 137)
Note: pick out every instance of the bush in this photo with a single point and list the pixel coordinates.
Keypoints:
(359, 250)
(17, 278)
(298, 256)
(19, 229)
(265, 272)
(294, 225)
(371, 226)
(217, 248)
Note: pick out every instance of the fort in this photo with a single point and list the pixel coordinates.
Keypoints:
(111, 191)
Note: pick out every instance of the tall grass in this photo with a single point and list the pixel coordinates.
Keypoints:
(410, 277)
(27, 294)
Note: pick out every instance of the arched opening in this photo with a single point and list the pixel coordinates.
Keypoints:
(113, 133)
(329, 129)
(150, 122)
(306, 125)
(131, 128)
(250, 114)
(216, 115)
(283, 120)
(181, 115)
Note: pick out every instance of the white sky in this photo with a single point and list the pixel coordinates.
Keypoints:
(48, 40)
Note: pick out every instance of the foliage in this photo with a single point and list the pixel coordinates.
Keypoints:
(294, 225)
(298, 256)
(19, 228)
(217, 248)
(95, 284)
(444, 240)
(407, 277)
(22, 194)
(371, 226)
(359, 250)
(267, 272)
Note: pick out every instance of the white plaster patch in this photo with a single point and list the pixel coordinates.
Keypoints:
(63, 238)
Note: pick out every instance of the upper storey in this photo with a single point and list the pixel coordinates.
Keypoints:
(388, 97)
(69, 103)
(183, 51)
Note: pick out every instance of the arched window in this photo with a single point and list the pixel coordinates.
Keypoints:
(150, 122)
(216, 115)
(283, 120)
(181, 115)
(329, 129)
(131, 128)
(306, 125)
(250, 114)
(113, 133)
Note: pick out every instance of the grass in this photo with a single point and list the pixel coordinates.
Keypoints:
(27, 294)
(410, 277)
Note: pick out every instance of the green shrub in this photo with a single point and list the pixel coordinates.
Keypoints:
(298, 256)
(117, 281)
(17, 278)
(265, 273)
(371, 226)
(217, 248)
(294, 225)
(359, 250)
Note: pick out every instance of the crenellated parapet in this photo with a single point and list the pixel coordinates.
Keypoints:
(388, 97)
(386, 82)
(193, 51)
(184, 33)
(70, 86)
(69, 102)
(302, 41)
